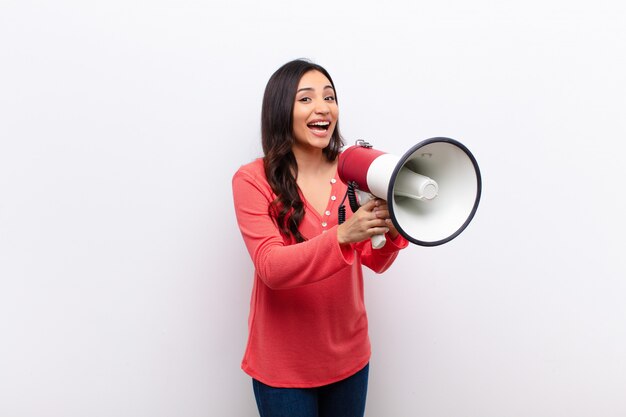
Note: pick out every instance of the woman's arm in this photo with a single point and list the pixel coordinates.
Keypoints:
(281, 265)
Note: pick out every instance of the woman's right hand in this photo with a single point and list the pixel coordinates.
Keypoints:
(362, 225)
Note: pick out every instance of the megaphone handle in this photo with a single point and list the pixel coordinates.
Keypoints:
(378, 241)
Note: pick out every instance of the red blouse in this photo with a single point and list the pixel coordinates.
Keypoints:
(307, 322)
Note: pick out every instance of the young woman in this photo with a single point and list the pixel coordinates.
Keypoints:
(308, 348)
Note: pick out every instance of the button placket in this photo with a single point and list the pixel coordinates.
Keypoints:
(333, 197)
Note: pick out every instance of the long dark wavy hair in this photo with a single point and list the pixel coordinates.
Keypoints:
(277, 139)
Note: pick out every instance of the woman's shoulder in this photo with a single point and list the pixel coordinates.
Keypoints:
(253, 171)
(253, 168)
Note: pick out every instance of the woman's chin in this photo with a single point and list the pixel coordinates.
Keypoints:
(317, 145)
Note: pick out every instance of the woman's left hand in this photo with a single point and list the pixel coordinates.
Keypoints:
(382, 212)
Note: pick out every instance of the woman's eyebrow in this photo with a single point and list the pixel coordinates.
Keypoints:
(311, 88)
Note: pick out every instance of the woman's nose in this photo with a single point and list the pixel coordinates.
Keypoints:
(322, 107)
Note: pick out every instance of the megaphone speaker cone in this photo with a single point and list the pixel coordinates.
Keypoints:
(457, 175)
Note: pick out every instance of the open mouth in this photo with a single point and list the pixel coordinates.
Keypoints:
(320, 126)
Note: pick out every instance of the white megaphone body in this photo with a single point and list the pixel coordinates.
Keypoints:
(432, 191)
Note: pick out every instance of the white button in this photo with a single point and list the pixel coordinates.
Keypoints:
(324, 224)
(327, 212)
(332, 181)
(332, 197)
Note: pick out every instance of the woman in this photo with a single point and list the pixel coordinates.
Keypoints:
(308, 348)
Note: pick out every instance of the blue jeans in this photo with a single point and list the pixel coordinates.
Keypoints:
(345, 398)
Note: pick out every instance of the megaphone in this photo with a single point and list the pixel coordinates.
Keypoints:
(432, 191)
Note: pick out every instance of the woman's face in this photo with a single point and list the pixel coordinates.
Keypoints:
(315, 112)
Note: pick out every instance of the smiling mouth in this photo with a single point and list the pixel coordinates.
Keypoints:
(319, 126)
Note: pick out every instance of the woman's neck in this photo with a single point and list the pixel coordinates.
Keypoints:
(311, 163)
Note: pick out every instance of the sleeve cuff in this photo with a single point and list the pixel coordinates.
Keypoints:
(398, 243)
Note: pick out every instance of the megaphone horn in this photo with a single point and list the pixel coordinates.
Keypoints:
(432, 191)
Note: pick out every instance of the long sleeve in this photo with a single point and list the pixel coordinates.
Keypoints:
(278, 264)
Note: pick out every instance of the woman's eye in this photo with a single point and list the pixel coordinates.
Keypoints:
(329, 98)
(305, 99)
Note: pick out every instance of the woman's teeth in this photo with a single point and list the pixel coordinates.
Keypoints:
(319, 125)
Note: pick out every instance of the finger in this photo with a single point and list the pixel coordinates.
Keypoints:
(377, 231)
(376, 223)
(381, 213)
(369, 206)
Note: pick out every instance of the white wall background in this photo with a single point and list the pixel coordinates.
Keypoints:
(124, 283)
